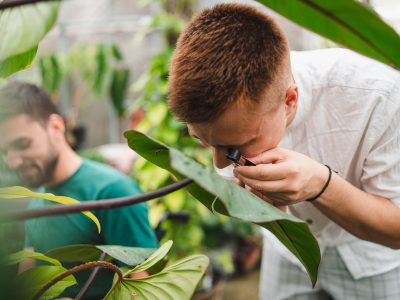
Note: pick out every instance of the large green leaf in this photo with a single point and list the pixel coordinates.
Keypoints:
(177, 281)
(16, 63)
(21, 29)
(158, 153)
(130, 256)
(212, 190)
(17, 192)
(347, 22)
(76, 253)
(28, 283)
(15, 258)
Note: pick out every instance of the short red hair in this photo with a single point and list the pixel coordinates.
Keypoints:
(226, 53)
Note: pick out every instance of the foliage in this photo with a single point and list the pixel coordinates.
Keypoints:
(177, 281)
(21, 30)
(349, 23)
(18, 192)
(98, 66)
(220, 195)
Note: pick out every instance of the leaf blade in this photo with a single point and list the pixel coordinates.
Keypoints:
(349, 23)
(16, 192)
(178, 281)
(305, 249)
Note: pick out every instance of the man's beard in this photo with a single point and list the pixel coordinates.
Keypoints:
(42, 175)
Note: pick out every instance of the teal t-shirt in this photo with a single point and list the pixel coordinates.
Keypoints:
(126, 226)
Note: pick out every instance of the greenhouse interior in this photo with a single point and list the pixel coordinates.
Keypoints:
(200, 149)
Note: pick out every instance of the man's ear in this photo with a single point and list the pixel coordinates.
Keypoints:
(292, 96)
(56, 125)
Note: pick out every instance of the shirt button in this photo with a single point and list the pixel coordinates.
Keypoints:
(309, 221)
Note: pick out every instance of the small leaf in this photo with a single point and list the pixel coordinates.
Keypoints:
(130, 256)
(153, 259)
(30, 282)
(76, 253)
(17, 63)
(177, 281)
(15, 258)
(16, 192)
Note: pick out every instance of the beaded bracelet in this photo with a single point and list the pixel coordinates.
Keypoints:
(325, 186)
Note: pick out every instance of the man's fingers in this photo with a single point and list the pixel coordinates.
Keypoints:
(264, 186)
(263, 172)
(269, 157)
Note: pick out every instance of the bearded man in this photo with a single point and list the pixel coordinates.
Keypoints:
(34, 146)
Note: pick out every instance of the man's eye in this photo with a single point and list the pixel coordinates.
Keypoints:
(22, 145)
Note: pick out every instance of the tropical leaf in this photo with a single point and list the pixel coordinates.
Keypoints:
(76, 253)
(21, 30)
(30, 282)
(16, 63)
(130, 256)
(178, 281)
(15, 258)
(153, 259)
(225, 197)
(118, 90)
(16, 192)
(347, 22)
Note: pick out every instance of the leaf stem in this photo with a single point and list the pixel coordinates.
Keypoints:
(89, 265)
(92, 204)
(15, 3)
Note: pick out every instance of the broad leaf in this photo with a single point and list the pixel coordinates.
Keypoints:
(241, 204)
(347, 22)
(158, 153)
(177, 281)
(15, 258)
(21, 29)
(29, 283)
(17, 192)
(153, 259)
(16, 63)
(130, 256)
(76, 253)
(235, 201)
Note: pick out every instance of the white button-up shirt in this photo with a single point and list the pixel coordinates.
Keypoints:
(348, 118)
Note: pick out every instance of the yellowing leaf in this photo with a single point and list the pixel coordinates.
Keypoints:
(21, 192)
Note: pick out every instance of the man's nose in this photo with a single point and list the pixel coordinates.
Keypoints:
(220, 160)
(13, 160)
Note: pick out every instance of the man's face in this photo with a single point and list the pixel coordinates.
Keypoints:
(251, 130)
(28, 149)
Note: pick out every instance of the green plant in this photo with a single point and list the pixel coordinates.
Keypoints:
(18, 44)
(48, 281)
(349, 23)
(222, 196)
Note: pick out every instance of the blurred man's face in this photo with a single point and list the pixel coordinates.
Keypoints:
(251, 130)
(28, 149)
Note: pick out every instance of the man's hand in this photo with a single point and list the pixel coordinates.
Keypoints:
(283, 177)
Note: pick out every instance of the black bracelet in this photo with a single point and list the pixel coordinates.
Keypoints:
(325, 186)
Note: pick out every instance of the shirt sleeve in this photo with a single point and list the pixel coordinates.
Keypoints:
(381, 170)
(129, 225)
